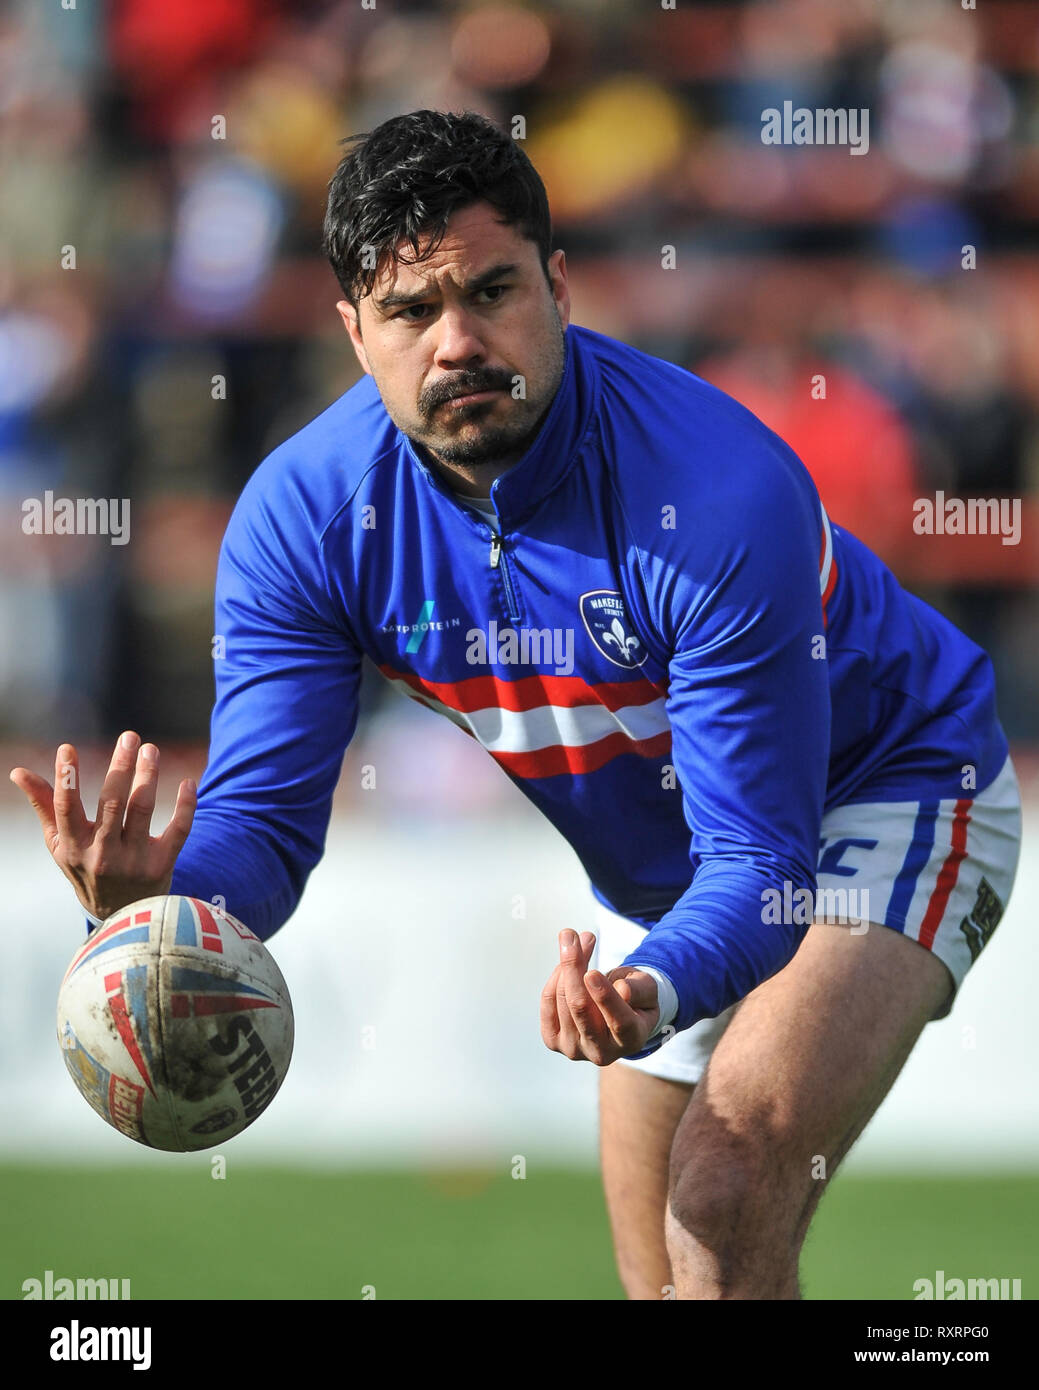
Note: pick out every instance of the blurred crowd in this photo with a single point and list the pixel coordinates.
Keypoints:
(166, 317)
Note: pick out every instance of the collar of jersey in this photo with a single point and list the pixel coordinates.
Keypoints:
(551, 455)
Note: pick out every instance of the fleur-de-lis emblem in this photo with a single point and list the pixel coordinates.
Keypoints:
(606, 621)
(615, 634)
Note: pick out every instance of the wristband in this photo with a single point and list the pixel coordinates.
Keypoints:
(667, 999)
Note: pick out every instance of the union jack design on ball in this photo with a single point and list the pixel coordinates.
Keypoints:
(133, 927)
(132, 983)
(194, 994)
(200, 923)
(166, 994)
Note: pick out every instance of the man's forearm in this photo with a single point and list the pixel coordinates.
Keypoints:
(245, 866)
(716, 944)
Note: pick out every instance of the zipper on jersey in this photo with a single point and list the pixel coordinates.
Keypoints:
(500, 559)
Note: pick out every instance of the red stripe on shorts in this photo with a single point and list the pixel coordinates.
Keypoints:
(947, 875)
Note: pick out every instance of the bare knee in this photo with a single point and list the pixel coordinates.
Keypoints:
(715, 1192)
(734, 1220)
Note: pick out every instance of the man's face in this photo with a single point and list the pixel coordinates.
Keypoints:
(448, 339)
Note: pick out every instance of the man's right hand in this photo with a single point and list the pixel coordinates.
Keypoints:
(110, 861)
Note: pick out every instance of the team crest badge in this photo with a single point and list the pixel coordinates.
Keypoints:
(982, 920)
(606, 621)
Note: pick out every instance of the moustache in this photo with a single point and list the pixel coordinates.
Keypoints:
(467, 384)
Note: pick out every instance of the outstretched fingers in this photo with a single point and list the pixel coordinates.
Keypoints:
(110, 863)
(171, 841)
(70, 818)
(141, 801)
(58, 808)
(115, 791)
(40, 795)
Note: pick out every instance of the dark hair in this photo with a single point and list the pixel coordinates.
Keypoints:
(406, 178)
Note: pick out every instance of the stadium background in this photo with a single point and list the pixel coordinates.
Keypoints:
(416, 957)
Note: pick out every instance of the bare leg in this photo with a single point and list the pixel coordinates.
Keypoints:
(803, 1065)
(638, 1117)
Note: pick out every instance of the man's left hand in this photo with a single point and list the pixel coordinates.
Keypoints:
(590, 1017)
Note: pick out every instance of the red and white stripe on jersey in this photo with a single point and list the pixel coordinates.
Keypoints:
(827, 564)
(545, 725)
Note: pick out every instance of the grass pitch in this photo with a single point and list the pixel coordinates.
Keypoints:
(266, 1233)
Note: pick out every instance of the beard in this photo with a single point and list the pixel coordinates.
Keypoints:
(474, 443)
(474, 438)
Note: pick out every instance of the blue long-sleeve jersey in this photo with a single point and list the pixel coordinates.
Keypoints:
(671, 651)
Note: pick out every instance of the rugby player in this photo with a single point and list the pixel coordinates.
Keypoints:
(626, 588)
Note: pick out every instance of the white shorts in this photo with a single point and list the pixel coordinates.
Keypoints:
(939, 872)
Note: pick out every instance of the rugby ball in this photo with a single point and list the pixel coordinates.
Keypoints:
(175, 1023)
